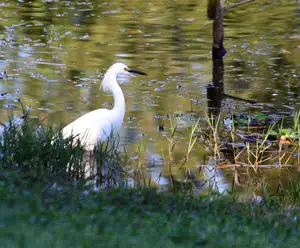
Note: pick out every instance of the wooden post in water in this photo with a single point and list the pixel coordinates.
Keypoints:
(215, 93)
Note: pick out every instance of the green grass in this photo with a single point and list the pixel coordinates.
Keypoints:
(140, 218)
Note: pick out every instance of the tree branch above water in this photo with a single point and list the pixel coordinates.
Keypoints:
(237, 4)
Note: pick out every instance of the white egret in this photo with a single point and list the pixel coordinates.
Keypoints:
(99, 124)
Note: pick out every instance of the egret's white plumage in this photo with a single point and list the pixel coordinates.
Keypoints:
(99, 124)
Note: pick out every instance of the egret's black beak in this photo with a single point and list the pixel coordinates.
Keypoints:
(137, 72)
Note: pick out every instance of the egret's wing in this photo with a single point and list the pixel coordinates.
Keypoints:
(91, 127)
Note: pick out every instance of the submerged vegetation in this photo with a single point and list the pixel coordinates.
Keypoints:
(257, 155)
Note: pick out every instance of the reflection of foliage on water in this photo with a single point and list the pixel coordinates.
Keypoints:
(88, 35)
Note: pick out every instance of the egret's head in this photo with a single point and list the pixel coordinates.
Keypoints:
(120, 68)
(113, 71)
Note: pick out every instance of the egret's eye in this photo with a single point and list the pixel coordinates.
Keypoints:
(125, 69)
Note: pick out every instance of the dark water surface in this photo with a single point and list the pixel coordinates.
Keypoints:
(55, 51)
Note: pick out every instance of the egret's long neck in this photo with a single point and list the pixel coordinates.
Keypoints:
(110, 83)
(119, 100)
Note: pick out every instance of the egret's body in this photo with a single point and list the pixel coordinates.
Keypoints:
(100, 124)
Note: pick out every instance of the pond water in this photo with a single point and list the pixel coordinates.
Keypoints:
(54, 53)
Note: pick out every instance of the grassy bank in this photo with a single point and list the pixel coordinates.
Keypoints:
(140, 218)
(44, 202)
